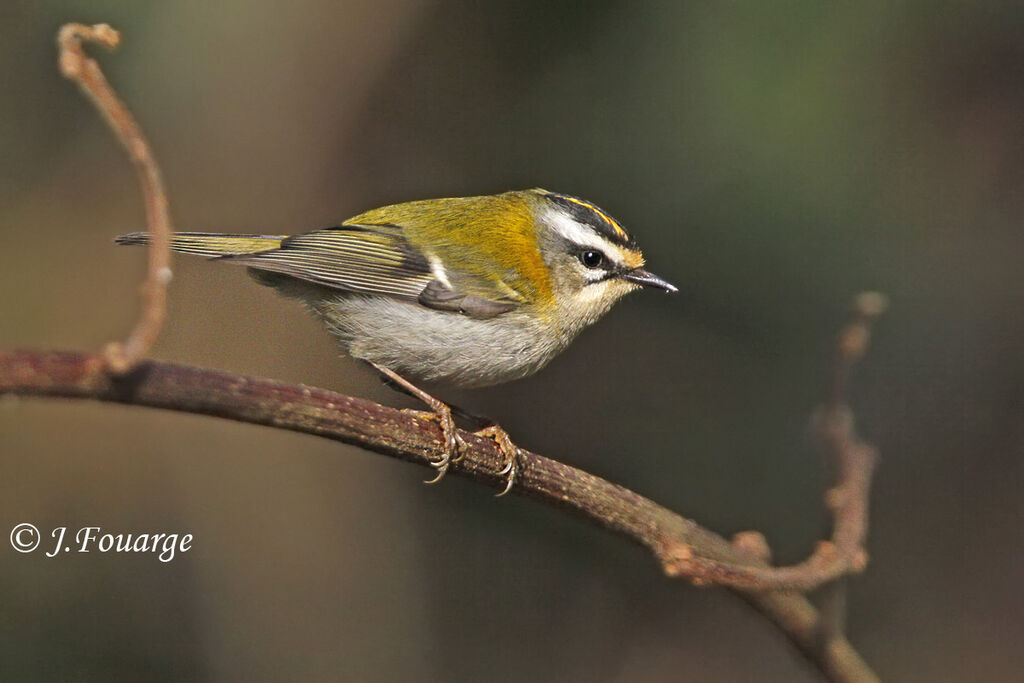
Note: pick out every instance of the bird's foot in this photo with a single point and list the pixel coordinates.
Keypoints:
(508, 449)
(453, 443)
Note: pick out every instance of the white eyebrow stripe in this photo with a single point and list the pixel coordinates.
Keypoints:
(584, 236)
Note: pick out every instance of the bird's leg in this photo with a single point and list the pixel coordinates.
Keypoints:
(484, 427)
(442, 413)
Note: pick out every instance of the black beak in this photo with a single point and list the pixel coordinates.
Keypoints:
(647, 279)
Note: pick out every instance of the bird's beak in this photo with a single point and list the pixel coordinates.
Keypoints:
(647, 279)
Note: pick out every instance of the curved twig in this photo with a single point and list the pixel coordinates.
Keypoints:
(83, 70)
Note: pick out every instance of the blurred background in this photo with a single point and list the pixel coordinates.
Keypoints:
(773, 159)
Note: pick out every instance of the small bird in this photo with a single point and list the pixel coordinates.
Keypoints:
(469, 291)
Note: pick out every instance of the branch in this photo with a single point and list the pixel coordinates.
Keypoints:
(682, 546)
(854, 462)
(851, 459)
(78, 67)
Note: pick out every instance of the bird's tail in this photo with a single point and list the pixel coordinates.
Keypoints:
(212, 244)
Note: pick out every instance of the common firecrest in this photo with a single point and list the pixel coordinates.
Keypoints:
(470, 291)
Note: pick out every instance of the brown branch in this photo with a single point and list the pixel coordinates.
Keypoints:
(83, 70)
(681, 545)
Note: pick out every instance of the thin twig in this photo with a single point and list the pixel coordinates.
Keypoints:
(83, 70)
(851, 459)
(412, 436)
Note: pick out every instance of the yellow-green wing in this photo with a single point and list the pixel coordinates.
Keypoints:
(370, 259)
(480, 247)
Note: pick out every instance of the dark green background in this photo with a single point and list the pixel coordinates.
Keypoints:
(773, 159)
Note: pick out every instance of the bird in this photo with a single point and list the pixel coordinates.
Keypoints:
(464, 291)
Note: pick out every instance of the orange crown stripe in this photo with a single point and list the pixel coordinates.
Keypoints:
(611, 221)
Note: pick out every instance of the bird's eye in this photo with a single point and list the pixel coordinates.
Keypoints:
(591, 258)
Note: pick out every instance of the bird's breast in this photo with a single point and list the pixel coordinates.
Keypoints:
(448, 347)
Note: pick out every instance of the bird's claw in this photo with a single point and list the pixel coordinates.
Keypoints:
(511, 452)
(454, 444)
